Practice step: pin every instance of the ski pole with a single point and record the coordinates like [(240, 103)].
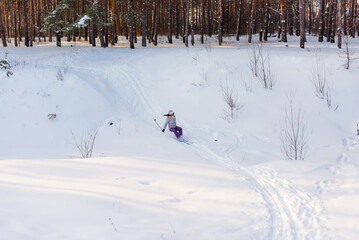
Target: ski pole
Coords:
[(157, 124)]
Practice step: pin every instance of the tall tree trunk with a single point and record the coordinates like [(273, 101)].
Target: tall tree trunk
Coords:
[(302, 22), (261, 19), (345, 20), (144, 22), (93, 36), (2, 32), (130, 22), (177, 20), (251, 19), (157, 13), (26, 29), (283, 10), (290, 18), (192, 23), (15, 22), (31, 44), (334, 14), (220, 19), (239, 18), (297, 21), (170, 22), (339, 28), (310, 17), (266, 21), (321, 20), (329, 20), (106, 20), (187, 22)]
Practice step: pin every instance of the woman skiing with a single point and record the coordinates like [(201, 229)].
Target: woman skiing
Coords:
[(171, 122)]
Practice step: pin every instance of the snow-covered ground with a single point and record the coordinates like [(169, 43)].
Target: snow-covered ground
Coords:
[(232, 182)]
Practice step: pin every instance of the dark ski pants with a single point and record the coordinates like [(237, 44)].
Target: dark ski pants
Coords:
[(177, 131)]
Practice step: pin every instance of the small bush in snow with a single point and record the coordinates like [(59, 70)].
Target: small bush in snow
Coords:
[(265, 73), (5, 65), (348, 55), (260, 66), (60, 75), (51, 116), (247, 83), (254, 53), (319, 79), (230, 97), (294, 135), (87, 142)]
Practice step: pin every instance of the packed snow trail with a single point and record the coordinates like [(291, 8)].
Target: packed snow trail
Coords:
[(293, 213)]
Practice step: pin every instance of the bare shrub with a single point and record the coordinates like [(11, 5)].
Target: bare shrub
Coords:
[(319, 78), (247, 83), (348, 55), (265, 73), (51, 116), (254, 53), (6, 66), (59, 75), (328, 97), (294, 136), (86, 144), (230, 97)]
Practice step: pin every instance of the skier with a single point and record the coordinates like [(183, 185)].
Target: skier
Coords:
[(171, 122)]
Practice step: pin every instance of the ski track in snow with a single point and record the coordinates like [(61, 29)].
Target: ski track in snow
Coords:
[(293, 213)]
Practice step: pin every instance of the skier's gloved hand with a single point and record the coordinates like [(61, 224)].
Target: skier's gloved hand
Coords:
[(163, 130)]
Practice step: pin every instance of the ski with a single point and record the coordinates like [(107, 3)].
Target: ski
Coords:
[(183, 140)]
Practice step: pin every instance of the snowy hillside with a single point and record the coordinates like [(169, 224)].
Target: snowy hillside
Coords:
[(231, 182)]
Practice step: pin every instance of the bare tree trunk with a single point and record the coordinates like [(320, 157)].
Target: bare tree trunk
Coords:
[(329, 20), (31, 23), (302, 22), (266, 21), (220, 19), (261, 20), (187, 22), (333, 31), (239, 20), (26, 29), (192, 23), (283, 10), (157, 13), (106, 20), (2, 32), (321, 20), (93, 37), (170, 22), (15, 22), (251, 19), (203, 19), (310, 17), (297, 21), (290, 18), (339, 28), (144, 23), (130, 21), (210, 17)]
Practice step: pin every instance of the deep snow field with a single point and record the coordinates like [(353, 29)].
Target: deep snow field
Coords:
[(232, 182)]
